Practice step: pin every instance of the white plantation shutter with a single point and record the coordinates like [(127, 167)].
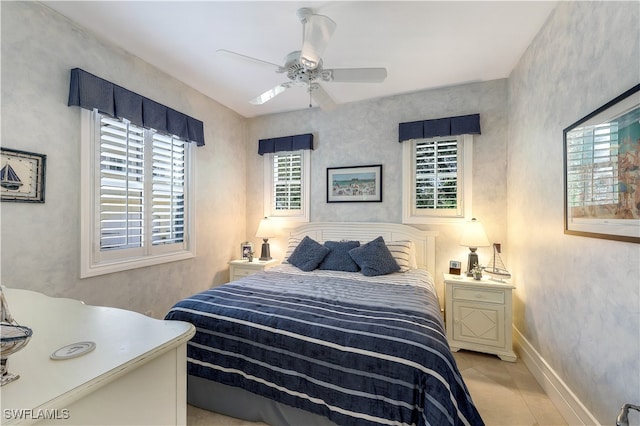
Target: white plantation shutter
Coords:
[(436, 179), (121, 185), (286, 185), (287, 181), (168, 190), (592, 166), (135, 196), (436, 174)]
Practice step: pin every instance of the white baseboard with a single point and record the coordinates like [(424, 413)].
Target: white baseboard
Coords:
[(567, 403)]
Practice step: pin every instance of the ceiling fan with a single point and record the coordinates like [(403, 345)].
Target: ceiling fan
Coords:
[(304, 68)]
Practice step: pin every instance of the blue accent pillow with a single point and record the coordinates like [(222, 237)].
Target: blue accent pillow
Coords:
[(338, 258), (374, 258), (308, 255)]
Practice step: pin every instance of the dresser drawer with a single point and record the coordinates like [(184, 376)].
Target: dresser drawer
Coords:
[(478, 295)]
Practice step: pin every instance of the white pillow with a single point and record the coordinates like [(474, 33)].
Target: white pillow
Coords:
[(291, 246), (413, 260), (404, 253)]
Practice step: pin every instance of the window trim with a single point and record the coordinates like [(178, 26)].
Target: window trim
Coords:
[(91, 264), (465, 163), (303, 215)]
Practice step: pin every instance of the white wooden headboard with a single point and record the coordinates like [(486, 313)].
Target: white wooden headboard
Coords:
[(425, 241)]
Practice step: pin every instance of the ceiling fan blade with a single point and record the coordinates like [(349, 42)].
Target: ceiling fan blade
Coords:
[(236, 55), (321, 97), (317, 31), (270, 94), (355, 75)]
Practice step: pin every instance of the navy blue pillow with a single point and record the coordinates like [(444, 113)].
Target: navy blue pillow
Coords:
[(374, 258), (308, 255), (338, 258)]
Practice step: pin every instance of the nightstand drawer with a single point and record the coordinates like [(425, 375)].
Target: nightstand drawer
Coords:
[(239, 272), (478, 295), (242, 268)]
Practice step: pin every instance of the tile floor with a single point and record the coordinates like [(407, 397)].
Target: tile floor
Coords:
[(505, 393)]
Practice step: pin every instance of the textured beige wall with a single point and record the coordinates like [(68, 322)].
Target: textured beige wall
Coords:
[(40, 243), (578, 298)]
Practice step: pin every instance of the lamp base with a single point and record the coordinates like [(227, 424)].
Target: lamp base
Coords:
[(471, 261), (266, 252)]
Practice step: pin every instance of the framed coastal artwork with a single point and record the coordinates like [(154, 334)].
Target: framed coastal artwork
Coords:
[(602, 171), (22, 176), (354, 184)]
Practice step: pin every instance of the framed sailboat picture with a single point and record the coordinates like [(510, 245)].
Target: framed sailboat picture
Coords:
[(22, 176)]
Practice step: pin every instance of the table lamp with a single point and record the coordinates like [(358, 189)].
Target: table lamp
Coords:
[(266, 230), (473, 236)]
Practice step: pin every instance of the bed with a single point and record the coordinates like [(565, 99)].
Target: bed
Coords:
[(305, 344)]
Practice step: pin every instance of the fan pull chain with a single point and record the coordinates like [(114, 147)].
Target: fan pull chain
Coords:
[(310, 95)]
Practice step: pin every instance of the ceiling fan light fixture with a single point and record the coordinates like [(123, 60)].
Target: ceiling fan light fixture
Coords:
[(309, 63), (326, 75)]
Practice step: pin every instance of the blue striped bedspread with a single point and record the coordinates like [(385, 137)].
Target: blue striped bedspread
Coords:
[(355, 349)]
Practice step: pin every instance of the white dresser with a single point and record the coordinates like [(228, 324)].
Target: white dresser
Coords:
[(135, 375), (478, 315)]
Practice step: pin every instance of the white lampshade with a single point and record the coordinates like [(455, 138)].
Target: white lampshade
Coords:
[(474, 235), (266, 229)]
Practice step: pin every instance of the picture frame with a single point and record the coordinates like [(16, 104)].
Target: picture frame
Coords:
[(602, 171), (22, 176), (246, 250), (354, 184)]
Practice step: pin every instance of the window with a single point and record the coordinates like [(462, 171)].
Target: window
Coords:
[(135, 196), (434, 186), (287, 185)]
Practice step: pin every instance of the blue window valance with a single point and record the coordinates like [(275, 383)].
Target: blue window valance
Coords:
[(285, 143), (89, 92), (450, 126)]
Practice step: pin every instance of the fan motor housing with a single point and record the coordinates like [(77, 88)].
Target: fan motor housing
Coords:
[(297, 73)]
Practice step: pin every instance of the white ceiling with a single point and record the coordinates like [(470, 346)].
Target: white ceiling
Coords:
[(423, 44)]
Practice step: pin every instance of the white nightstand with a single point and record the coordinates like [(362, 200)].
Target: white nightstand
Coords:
[(478, 315), (242, 268)]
